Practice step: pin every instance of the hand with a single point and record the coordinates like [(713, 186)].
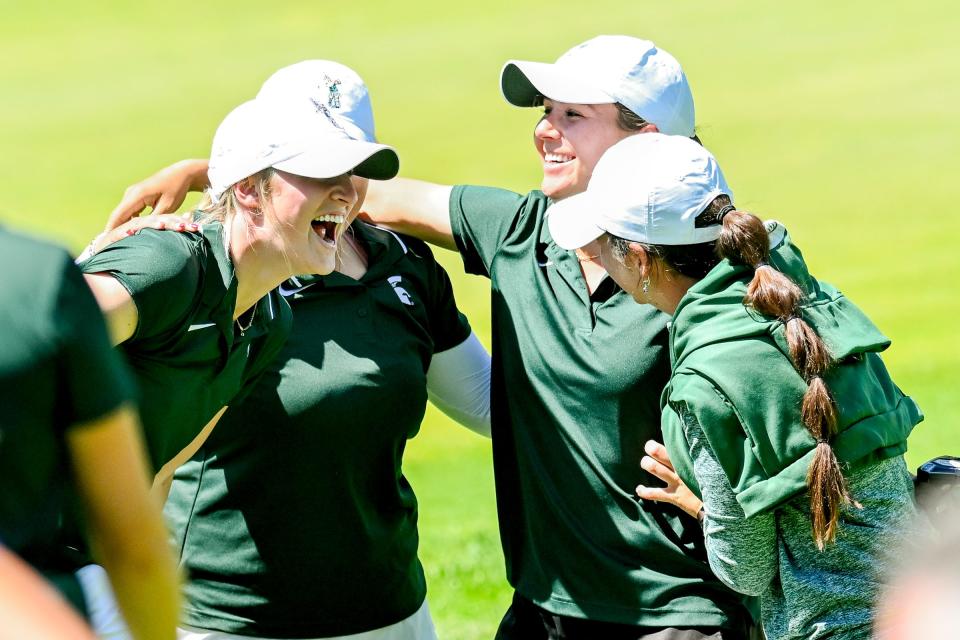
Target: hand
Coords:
[(657, 462), (168, 222), (164, 191)]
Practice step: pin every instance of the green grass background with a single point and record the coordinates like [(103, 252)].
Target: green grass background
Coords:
[(838, 118)]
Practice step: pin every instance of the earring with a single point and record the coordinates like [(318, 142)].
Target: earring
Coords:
[(645, 285)]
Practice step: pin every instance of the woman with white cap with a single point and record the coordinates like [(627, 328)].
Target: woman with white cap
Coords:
[(295, 518), (197, 315), (570, 409), (779, 412)]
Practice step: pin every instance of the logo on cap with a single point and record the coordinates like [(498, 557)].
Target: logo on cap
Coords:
[(322, 108), (333, 88)]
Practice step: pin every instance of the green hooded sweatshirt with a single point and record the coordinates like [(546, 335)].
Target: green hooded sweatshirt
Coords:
[(733, 366)]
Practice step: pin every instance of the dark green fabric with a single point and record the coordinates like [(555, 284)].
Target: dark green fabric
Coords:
[(187, 354), (732, 370), (57, 370), (576, 383), (295, 519)]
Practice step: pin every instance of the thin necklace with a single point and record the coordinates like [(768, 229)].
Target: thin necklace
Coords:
[(243, 329), (581, 258), (351, 241)]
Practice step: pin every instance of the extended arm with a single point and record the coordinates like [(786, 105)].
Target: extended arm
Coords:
[(125, 528), (164, 191), (458, 383), (414, 207)]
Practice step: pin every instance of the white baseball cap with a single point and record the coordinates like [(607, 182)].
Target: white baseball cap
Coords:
[(266, 133), (648, 188), (604, 70), (319, 86)]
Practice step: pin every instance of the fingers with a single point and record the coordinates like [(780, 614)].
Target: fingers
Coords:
[(168, 222), (655, 494), (133, 203), (660, 470), (658, 452), (168, 202)]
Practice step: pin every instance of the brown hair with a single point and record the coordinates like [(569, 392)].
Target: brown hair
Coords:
[(630, 121), (744, 240)]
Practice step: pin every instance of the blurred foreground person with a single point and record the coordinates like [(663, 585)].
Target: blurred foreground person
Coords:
[(30, 608), (922, 600), (70, 445), (779, 411)]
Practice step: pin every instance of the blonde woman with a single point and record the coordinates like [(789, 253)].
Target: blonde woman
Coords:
[(197, 315)]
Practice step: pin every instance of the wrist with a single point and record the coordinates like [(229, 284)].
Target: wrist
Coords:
[(196, 170)]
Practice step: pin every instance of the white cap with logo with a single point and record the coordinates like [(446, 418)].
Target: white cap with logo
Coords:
[(269, 133), (648, 188), (325, 87), (607, 69)]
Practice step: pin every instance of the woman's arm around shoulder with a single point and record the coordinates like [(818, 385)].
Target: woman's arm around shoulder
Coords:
[(414, 207)]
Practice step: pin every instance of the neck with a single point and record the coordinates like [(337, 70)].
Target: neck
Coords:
[(258, 268), (668, 293)]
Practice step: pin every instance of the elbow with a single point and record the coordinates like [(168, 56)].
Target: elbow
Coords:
[(742, 578)]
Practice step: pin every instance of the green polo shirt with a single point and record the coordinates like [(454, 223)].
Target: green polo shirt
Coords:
[(295, 520), (57, 369), (576, 383), (189, 357)]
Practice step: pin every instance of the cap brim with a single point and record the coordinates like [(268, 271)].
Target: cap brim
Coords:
[(336, 157), (521, 82), (572, 221)]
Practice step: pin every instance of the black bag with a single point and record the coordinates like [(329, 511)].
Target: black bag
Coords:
[(937, 485)]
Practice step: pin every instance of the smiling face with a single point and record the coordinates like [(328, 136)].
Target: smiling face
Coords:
[(309, 214), (570, 139)]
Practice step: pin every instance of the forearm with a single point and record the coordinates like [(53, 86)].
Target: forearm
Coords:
[(126, 530), (194, 171), (458, 383), (741, 551), (414, 207), (146, 586)]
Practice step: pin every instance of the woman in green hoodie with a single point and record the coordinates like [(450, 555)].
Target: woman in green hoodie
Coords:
[(779, 413)]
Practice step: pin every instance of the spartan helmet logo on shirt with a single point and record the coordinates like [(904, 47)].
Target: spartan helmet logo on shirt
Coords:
[(333, 89), (400, 291)]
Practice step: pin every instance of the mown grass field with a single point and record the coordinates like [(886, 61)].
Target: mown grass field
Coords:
[(839, 119)]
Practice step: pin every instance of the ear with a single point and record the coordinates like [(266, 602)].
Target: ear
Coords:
[(246, 194), (642, 259)]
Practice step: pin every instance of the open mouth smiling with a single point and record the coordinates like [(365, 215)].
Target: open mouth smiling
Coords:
[(327, 227)]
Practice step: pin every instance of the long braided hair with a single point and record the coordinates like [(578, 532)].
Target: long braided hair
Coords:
[(743, 240)]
